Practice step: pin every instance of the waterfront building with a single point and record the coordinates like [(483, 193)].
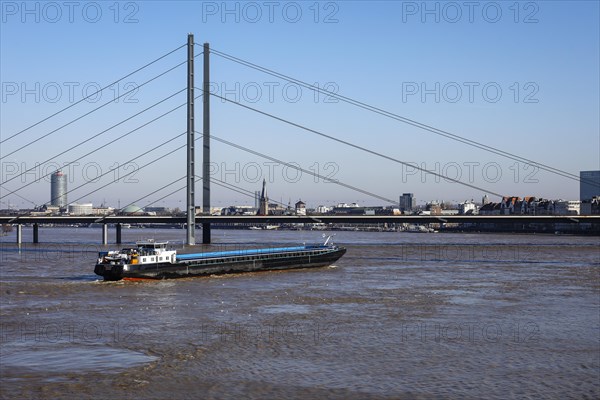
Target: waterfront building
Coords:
[(567, 207), (543, 207), (434, 208), (46, 210), (512, 205), (239, 210), (321, 209), (590, 207), (490, 208), (53, 210), (300, 208), (526, 206), (80, 209), (467, 208), (589, 185), (132, 209), (103, 210), (158, 210), (407, 202), (58, 189), (278, 209), (509, 204)]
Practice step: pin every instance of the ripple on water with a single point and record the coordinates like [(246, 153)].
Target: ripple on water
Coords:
[(71, 359), (285, 309)]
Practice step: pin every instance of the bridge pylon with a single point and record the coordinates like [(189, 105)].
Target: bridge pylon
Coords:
[(206, 145), (190, 203)]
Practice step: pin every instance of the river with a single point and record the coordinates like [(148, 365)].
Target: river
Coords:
[(401, 315)]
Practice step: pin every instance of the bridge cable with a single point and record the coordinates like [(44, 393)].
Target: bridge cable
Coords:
[(104, 145), (400, 118), (153, 161), (216, 181), (447, 178), (93, 94), (337, 182), (239, 189), (150, 194), (23, 198), (92, 111), (102, 133), (129, 173), (198, 178), (125, 163)]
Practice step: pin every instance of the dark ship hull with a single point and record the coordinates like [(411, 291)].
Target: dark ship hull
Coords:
[(201, 264)]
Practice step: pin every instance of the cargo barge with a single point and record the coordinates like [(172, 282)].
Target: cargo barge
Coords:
[(154, 260)]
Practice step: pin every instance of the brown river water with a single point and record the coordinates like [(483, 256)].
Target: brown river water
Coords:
[(400, 316)]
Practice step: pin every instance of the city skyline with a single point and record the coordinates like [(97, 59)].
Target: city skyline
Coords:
[(425, 65), (407, 202)]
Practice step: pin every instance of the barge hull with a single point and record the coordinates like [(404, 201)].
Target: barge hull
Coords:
[(191, 268)]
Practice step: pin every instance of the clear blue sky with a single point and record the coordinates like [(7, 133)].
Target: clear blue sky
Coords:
[(521, 77)]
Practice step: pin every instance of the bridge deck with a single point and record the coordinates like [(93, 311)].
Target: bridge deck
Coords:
[(359, 219)]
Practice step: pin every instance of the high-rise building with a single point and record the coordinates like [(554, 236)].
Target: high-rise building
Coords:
[(58, 189), (407, 202), (589, 184)]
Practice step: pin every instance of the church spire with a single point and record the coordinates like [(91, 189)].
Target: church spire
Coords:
[(264, 200)]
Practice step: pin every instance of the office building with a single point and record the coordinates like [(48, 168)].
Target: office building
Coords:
[(58, 189), (407, 202), (589, 185)]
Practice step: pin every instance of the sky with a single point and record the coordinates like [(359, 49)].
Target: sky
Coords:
[(511, 90)]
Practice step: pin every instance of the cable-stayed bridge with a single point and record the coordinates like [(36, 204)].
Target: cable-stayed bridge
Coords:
[(193, 136)]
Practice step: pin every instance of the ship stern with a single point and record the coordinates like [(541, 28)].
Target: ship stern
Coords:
[(110, 272)]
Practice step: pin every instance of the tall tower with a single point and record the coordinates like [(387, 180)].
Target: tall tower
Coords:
[(263, 208), (58, 189)]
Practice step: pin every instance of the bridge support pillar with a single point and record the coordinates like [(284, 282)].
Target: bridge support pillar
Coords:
[(206, 166), (118, 233), (191, 149), (104, 234), (205, 233), (36, 236), (19, 233)]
